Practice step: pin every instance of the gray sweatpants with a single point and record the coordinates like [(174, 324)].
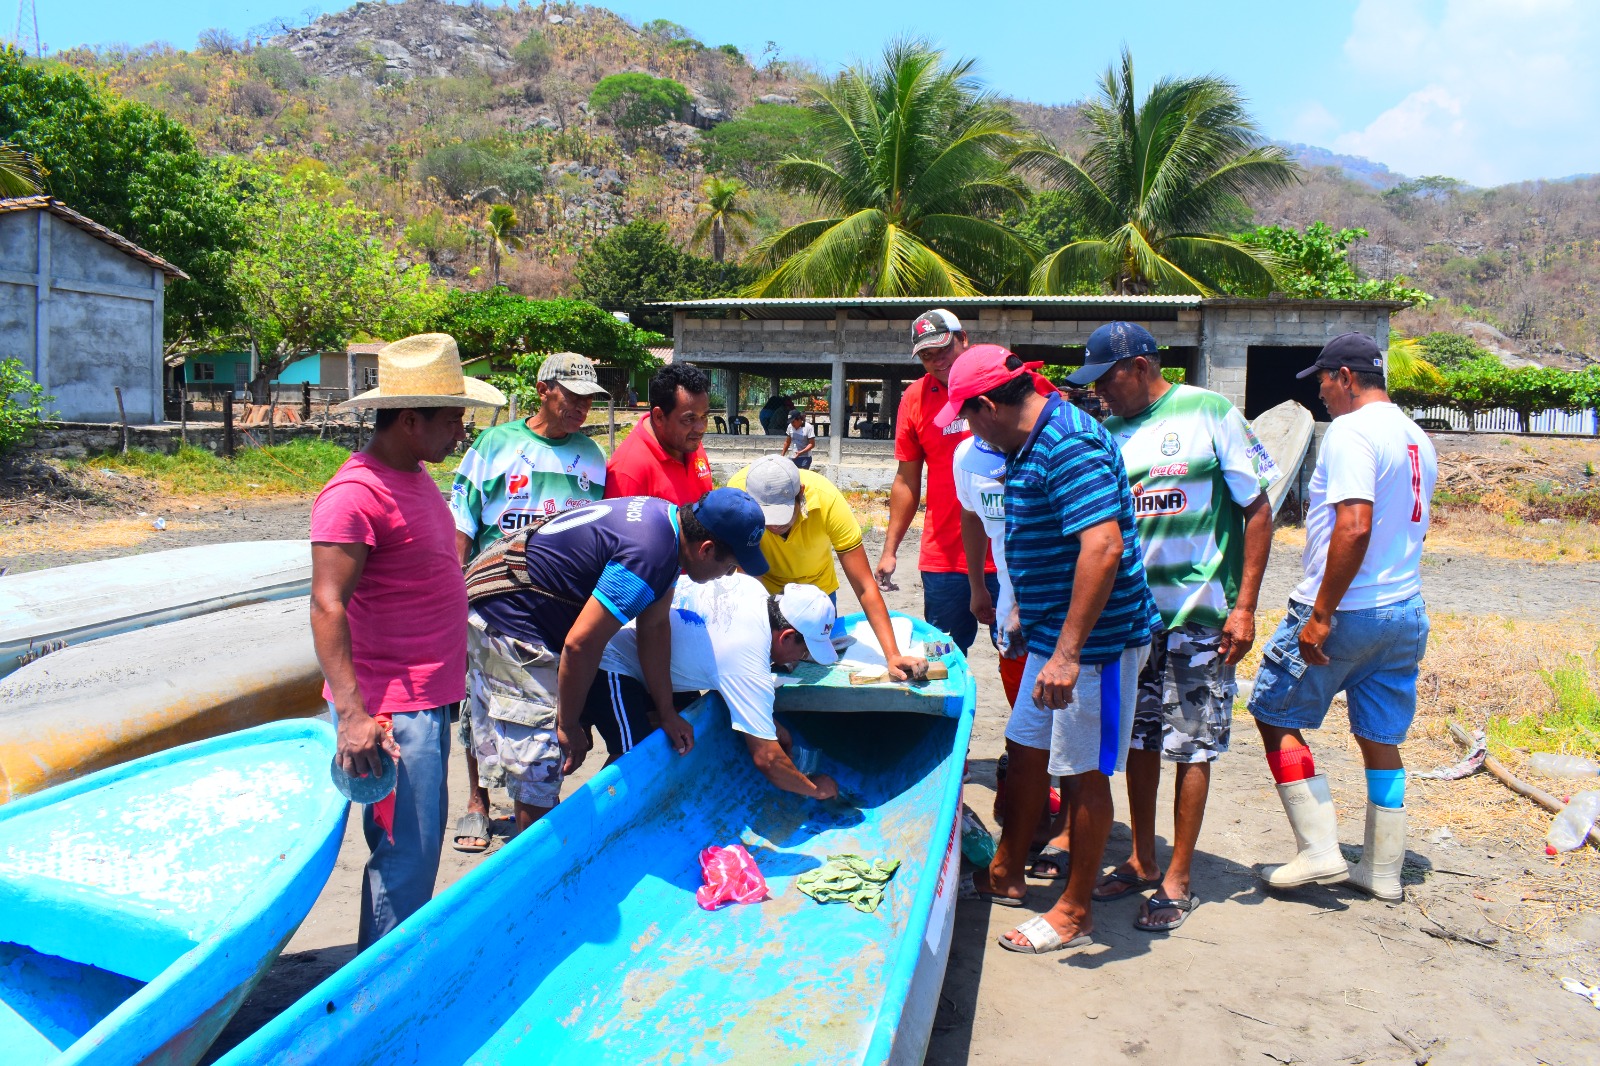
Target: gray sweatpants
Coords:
[(399, 876)]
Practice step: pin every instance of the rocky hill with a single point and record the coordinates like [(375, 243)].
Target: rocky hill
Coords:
[(429, 111)]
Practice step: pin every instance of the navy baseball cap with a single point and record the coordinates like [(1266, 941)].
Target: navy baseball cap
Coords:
[(734, 517), (1112, 343), (1354, 350)]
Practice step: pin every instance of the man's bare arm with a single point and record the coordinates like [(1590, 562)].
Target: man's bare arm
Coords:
[(1347, 549), (1100, 551), (975, 543), (859, 574), (776, 766), (904, 496), (335, 571), (580, 660), (655, 662), (1239, 631)]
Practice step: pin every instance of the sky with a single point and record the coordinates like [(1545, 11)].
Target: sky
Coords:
[(1488, 91)]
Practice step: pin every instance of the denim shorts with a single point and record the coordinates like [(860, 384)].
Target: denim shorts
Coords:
[(947, 605), (1373, 655)]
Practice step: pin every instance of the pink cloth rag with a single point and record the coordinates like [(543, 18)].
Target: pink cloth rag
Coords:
[(731, 877)]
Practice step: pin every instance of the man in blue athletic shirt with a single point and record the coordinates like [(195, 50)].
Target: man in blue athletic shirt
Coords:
[(545, 601)]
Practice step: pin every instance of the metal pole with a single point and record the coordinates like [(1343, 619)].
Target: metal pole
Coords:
[(122, 416), (227, 424), (836, 415), (611, 422)]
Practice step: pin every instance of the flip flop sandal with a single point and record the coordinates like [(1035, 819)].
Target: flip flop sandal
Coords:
[(970, 891), (1157, 902), (1130, 883), (472, 825), (1059, 858), (1042, 937)]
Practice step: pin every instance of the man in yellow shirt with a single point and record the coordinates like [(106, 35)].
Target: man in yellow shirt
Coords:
[(808, 523)]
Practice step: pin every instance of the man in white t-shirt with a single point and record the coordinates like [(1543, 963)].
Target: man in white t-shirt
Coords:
[(727, 635), (1356, 623), (801, 437)]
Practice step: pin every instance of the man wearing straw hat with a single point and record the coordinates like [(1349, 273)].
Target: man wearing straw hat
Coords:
[(389, 614)]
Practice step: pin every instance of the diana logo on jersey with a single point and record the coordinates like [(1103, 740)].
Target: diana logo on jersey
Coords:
[(1155, 503)]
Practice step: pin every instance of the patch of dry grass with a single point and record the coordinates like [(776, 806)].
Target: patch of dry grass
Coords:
[(56, 534), (1496, 528)]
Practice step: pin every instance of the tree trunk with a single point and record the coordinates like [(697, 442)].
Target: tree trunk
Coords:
[(719, 240)]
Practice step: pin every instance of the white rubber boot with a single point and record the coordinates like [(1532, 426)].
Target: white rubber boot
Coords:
[(1309, 806), (1378, 872)]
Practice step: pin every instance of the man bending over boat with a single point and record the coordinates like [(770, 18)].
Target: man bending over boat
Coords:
[(727, 635), (387, 611), (544, 602)]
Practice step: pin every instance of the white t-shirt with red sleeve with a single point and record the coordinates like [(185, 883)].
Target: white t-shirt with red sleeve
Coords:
[(1374, 453), (408, 614), (916, 438)]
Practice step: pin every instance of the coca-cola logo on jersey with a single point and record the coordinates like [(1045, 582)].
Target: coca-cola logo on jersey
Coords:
[(1169, 470)]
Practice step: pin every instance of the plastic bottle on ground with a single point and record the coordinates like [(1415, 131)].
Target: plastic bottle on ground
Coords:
[(1553, 765), (1571, 826)]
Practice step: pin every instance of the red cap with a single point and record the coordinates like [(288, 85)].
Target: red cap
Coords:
[(977, 370)]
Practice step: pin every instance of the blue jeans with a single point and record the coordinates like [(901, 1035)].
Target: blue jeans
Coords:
[(399, 877), (1373, 655), (947, 605)]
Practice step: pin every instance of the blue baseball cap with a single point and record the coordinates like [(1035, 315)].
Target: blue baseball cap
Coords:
[(1112, 343), (734, 517)]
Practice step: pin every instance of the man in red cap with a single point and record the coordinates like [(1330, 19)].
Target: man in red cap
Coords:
[(936, 339), (1086, 615)]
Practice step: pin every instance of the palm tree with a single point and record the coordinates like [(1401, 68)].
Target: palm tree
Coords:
[(1158, 183), (501, 229), (914, 170), (20, 173), (723, 215)]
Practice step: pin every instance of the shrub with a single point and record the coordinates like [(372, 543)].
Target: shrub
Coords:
[(253, 98), (22, 405), (635, 101), (532, 54), (281, 68), (749, 146), (1450, 350), (463, 170)]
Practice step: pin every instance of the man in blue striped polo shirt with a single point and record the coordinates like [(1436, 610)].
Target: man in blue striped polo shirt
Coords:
[(1086, 613)]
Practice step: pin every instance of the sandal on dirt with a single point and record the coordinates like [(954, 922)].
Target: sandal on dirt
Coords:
[(1130, 883), (1059, 858), (1042, 937), (1158, 902), (473, 825), (970, 891)]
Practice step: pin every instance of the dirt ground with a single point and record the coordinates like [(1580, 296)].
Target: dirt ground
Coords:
[(1467, 969)]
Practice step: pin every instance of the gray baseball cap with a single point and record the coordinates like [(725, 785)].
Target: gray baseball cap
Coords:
[(573, 372), (775, 483)]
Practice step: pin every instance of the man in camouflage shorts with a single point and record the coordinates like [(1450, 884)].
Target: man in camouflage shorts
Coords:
[(1199, 481), (514, 683)]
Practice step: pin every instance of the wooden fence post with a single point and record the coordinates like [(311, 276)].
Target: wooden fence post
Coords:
[(227, 424), (122, 416)]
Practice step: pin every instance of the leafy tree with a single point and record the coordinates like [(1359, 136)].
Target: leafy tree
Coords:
[(634, 101), (501, 229), (914, 170), (1476, 386), (23, 405), (751, 145), (314, 274), (723, 214), (664, 31), (532, 54), (1450, 350), (467, 170), (19, 173), (637, 264), (1316, 264), (1154, 192), (135, 171), (281, 67), (732, 52), (516, 334), (1047, 219)]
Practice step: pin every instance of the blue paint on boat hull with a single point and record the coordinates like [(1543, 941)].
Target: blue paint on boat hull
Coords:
[(139, 905), (581, 942)]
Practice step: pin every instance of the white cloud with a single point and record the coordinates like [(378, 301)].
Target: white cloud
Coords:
[(1489, 90)]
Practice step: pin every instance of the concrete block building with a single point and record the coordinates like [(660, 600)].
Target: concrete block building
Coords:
[(1248, 350), (81, 306)]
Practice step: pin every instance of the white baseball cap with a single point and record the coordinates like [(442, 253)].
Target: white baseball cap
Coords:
[(775, 483), (809, 610)]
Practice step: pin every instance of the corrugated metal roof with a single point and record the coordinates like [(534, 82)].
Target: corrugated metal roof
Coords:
[(91, 227)]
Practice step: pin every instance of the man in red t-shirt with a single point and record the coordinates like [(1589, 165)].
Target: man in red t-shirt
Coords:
[(389, 614), (936, 339), (662, 457)]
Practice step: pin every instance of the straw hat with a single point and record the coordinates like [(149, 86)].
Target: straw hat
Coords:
[(424, 371)]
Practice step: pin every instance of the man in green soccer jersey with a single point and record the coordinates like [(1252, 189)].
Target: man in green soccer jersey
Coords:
[(1199, 479), (513, 474)]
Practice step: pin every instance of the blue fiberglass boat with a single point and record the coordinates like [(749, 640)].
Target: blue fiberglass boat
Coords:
[(580, 942), (139, 905)]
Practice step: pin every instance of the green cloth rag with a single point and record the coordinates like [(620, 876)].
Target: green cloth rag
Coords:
[(849, 879)]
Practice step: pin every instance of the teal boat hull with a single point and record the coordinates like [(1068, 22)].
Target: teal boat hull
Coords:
[(581, 941), (140, 905)]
